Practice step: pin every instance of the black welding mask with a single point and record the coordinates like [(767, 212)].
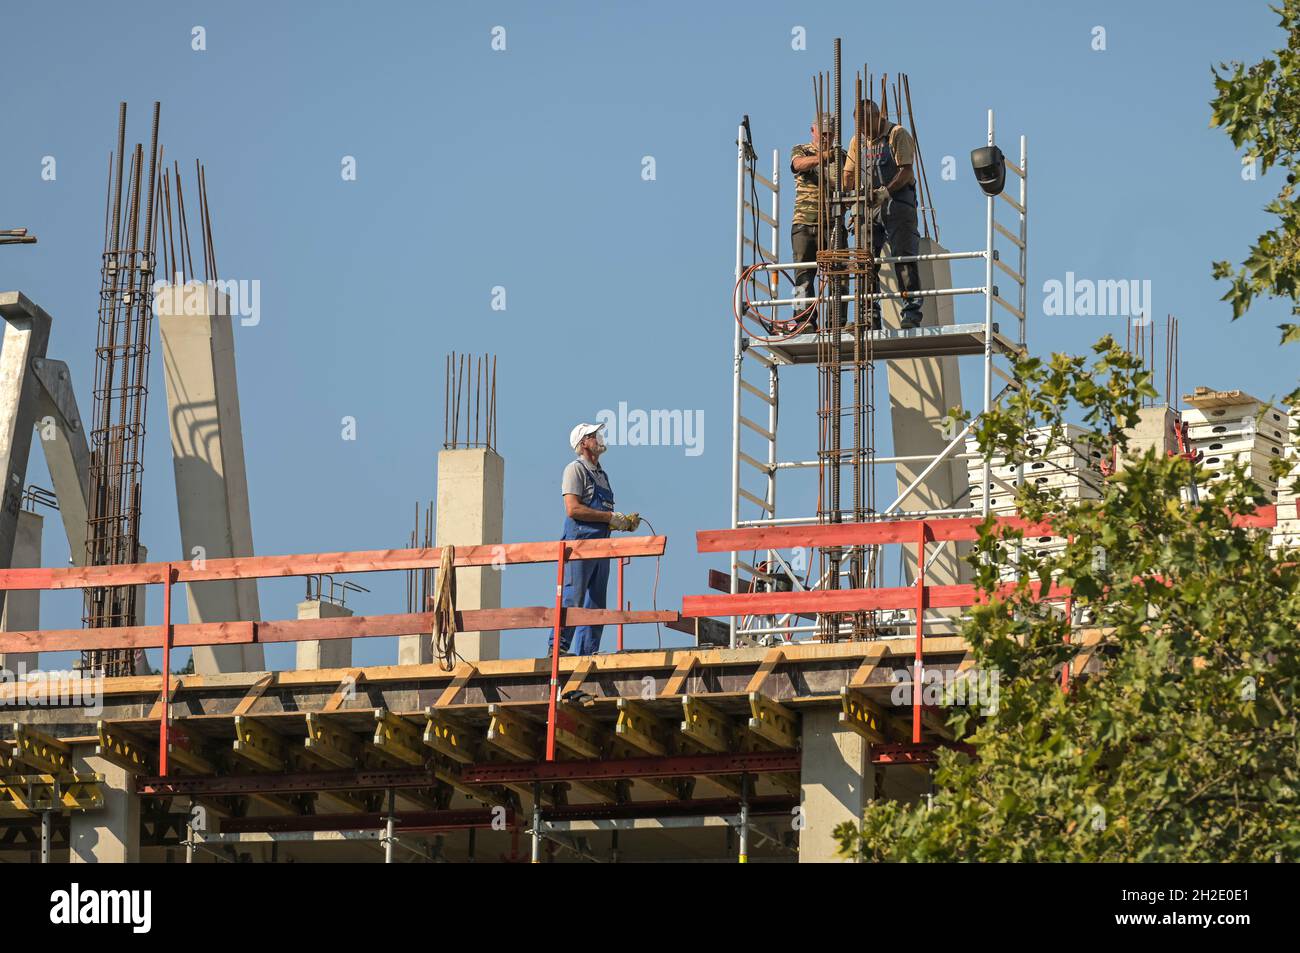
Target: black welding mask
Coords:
[(990, 167)]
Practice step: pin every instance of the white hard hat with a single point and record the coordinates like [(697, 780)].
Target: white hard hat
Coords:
[(583, 430)]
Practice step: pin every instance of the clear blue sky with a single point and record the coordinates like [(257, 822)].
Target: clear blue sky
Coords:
[(522, 169)]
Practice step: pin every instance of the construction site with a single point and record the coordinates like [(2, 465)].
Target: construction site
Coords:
[(839, 588)]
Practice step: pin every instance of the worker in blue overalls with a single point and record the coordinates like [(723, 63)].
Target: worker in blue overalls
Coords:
[(588, 514)]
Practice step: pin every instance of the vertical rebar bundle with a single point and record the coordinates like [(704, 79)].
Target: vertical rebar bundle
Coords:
[(469, 415), (121, 389), (845, 350)]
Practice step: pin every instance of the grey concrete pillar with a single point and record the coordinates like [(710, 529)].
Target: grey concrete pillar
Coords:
[(331, 653), (198, 346), (837, 779), (111, 835), (471, 506), (22, 610), (921, 393)]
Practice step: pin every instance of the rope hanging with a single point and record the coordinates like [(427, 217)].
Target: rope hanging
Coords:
[(444, 611)]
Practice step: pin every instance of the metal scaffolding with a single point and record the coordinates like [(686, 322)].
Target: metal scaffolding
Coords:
[(764, 342)]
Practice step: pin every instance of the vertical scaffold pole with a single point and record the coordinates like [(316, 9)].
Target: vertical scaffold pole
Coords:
[(744, 819), (537, 823), (1024, 240), (773, 382), (738, 357), (988, 328), (918, 667)]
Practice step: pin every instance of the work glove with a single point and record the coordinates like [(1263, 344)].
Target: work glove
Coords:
[(878, 197), (624, 522)]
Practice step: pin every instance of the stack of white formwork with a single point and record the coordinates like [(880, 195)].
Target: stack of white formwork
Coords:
[(1232, 428), (1070, 467), (1286, 535)]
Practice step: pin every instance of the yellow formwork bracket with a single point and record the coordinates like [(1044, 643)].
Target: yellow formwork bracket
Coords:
[(37, 793), (258, 746), (122, 750), (513, 735), (642, 729), (773, 722), (705, 725), (861, 715), (579, 733), (38, 750), (330, 743), (447, 738), (398, 739)]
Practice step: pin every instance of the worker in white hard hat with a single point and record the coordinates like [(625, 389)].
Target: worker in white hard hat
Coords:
[(588, 514)]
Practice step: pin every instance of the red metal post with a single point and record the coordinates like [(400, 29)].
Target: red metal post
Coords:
[(621, 563), (918, 668), (555, 653), (1069, 627), (164, 725)]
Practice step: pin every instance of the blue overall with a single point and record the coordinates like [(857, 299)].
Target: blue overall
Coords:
[(586, 581), (895, 222)]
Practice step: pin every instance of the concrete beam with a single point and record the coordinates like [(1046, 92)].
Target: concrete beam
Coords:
[(208, 455), (67, 454)]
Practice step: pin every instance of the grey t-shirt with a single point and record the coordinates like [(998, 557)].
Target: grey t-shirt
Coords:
[(580, 479)]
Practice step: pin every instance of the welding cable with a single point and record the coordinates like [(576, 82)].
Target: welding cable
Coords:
[(444, 611), (793, 326)]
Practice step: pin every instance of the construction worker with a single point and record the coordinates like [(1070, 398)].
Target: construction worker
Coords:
[(891, 201), (805, 160), (588, 514)]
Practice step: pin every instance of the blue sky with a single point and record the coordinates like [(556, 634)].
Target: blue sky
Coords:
[(522, 169)]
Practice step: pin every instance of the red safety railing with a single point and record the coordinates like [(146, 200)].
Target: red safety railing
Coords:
[(169, 635), (919, 596)]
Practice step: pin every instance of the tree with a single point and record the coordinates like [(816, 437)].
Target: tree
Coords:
[(1183, 744), (1259, 108)]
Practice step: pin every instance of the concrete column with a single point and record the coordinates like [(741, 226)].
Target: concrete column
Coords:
[(112, 835), (22, 610), (26, 330), (1155, 430), (332, 653), (208, 455), (471, 487), (921, 392), (837, 780)]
